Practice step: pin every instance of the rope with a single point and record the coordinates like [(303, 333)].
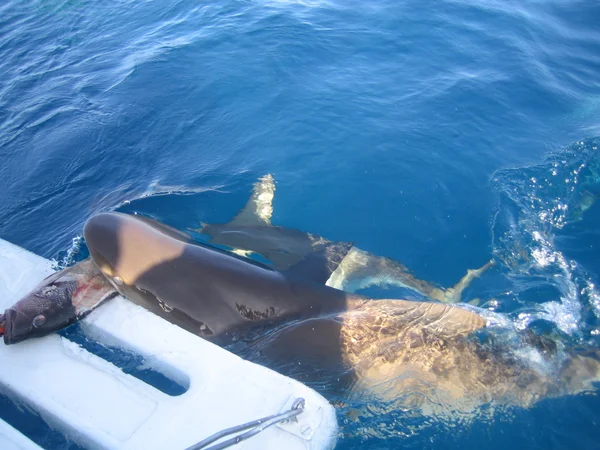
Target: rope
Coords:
[(255, 427)]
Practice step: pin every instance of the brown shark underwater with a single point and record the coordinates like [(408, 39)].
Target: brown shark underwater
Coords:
[(429, 356)]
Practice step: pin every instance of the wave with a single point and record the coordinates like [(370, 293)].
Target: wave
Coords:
[(534, 204)]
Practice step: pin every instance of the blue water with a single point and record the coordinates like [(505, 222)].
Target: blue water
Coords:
[(440, 134)]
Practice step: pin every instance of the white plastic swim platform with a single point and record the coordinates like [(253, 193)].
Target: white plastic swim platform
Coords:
[(97, 405)]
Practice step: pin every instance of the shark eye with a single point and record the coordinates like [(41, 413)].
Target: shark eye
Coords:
[(39, 320)]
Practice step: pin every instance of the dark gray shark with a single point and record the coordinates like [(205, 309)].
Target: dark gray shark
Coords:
[(208, 292), (337, 264)]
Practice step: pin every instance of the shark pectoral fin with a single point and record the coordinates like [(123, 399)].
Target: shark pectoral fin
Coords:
[(445, 321), (259, 208)]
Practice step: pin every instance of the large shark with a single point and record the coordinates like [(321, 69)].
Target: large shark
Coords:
[(341, 265), (437, 357), (212, 293)]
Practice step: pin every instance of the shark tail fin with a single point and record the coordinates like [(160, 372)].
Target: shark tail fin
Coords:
[(259, 208)]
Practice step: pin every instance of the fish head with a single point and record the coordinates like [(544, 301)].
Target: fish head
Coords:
[(58, 301), (46, 309)]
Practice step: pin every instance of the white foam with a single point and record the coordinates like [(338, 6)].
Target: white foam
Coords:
[(566, 313)]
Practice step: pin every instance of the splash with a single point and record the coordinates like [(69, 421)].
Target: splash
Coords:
[(535, 203), (76, 252)]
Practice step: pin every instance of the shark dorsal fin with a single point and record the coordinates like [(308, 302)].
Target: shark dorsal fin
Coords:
[(259, 208)]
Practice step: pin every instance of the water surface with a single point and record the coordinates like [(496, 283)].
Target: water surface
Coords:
[(439, 134)]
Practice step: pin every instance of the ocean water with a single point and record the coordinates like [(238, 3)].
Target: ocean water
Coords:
[(440, 134)]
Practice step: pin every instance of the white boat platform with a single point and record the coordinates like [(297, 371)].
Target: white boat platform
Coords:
[(98, 406)]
